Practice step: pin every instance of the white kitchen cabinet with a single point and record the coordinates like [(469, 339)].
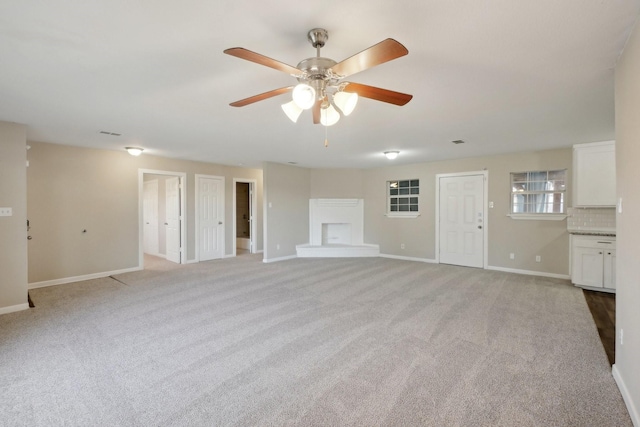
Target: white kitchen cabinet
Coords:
[(593, 260), (594, 174), (609, 273)]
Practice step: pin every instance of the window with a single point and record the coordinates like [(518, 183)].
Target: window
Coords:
[(403, 197), (539, 192)]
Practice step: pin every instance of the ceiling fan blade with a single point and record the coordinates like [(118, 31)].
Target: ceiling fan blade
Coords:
[(380, 53), (316, 111), (242, 53), (261, 97), (384, 95)]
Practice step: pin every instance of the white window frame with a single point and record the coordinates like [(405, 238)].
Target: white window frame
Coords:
[(553, 216), (389, 197)]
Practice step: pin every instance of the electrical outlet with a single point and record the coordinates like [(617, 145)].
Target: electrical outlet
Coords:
[(512, 256), (401, 245), (6, 212), (538, 259)]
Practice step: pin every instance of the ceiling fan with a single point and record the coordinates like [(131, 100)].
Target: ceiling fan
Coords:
[(320, 80)]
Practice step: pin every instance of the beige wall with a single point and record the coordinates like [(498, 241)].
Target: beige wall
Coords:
[(628, 227), (525, 239), (286, 209), (336, 184), (71, 189), (13, 229)]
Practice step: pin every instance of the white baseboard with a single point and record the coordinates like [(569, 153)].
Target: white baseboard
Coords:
[(64, 280), (408, 258), (191, 261), (529, 272), (283, 258), (631, 407), (14, 308), (259, 251)]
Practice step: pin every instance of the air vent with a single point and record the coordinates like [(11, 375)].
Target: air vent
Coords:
[(458, 141), (110, 133)]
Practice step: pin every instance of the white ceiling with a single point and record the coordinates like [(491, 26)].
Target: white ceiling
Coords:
[(503, 75)]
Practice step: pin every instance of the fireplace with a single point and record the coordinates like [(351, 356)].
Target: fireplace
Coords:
[(336, 233), (336, 229)]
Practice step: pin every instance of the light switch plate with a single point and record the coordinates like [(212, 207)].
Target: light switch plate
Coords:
[(6, 212)]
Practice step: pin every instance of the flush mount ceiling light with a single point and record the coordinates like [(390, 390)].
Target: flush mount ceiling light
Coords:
[(134, 151), (320, 86), (391, 154)]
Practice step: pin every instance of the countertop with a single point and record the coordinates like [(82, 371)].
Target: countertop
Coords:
[(592, 233)]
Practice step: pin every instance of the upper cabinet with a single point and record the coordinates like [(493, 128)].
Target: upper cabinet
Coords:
[(594, 174)]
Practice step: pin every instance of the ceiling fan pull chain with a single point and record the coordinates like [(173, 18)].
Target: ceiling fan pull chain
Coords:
[(326, 139)]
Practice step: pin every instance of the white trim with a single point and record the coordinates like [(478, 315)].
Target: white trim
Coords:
[(593, 144), (598, 289), (529, 272), (408, 215), (260, 251), (338, 202), (283, 258), (540, 216), (624, 391), (197, 213), (485, 196), (192, 261), (14, 308), (407, 258), (183, 212), (84, 277), (253, 184)]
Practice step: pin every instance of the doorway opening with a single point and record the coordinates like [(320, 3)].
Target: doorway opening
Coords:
[(244, 224), (161, 212)]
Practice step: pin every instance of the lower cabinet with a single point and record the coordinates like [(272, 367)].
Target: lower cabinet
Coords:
[(593, 262)]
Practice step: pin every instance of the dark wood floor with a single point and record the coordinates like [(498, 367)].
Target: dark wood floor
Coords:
[(603, 309)]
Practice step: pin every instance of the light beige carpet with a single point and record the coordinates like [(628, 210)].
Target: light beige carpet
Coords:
[(307, 342)]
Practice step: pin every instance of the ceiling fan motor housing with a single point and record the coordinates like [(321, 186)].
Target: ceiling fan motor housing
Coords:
[(318, 37)]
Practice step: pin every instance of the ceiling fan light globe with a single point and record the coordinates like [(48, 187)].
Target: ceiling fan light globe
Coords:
[(329, 116), (391, 154), (304, 96), (292, 110), (346, 101)]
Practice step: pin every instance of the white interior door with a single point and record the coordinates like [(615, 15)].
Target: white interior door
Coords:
[(173, 219), (210, 218), (462, 222), (150, 217)]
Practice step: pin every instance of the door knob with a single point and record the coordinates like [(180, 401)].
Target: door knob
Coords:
[(29, 237), (479, 227), (219, 222)]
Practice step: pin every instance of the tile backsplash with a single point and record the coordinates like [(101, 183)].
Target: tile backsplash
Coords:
[(591, 219)]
